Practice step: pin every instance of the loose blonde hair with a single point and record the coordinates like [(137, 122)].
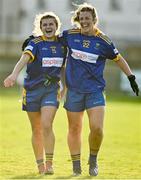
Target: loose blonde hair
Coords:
[(38, 20), (81, 8)]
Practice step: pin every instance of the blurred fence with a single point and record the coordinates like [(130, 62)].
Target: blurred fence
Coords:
[(121, 20)]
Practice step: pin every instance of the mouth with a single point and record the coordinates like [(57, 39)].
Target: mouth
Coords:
[(49, 31), (84, 25)]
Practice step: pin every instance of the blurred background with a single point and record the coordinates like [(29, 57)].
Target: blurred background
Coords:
[(119, 19)]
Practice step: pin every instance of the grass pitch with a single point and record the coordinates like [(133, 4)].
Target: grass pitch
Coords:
[(119, 157)]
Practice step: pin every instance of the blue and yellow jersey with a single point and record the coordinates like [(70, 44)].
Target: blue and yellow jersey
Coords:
[(86, 59), (47, 58)]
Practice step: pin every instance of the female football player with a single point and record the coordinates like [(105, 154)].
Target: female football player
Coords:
[(44, 57), (88, 49)]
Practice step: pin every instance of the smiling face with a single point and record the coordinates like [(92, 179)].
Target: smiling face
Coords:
[(48, 27), (86, 22)]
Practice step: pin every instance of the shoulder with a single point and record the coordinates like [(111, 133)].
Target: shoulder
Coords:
[(71, 31), (104, 37), (36, 40), (74, 31), (33, 43)]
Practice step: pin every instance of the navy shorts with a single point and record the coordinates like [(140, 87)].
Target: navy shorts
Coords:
[(33, 100), (76, 102)]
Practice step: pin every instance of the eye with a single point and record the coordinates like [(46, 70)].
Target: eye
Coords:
[(81, 18), (50, 24), (44, 24)]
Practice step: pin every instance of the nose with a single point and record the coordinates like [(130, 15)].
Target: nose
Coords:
[(47, 26), (83, 20)]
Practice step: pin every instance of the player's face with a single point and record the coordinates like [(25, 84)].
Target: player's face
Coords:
[(48, 27), (86, 22)]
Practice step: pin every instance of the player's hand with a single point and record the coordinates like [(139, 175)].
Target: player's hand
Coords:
[(10, 80), (63, 93), (25, 43), (133, 84)]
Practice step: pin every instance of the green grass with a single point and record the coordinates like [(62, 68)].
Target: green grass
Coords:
[(119, 158)]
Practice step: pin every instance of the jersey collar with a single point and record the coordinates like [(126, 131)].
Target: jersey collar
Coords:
[(46, 39), (96, 33)]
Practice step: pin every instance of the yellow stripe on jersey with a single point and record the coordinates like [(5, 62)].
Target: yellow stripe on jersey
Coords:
[(30, 53), (105, 38), (73, 31), (37, 40), (98, 32), (117, 58), (24, 96)]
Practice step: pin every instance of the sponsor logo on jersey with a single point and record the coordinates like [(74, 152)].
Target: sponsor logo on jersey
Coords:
[(77, 40), (52, 62), (49, 102), (97, 102), (97, 45), (84, 56), (53, 49), (44, 49), (29, 48)]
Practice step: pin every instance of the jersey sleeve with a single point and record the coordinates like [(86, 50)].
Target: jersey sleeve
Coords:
[(26, 41), (112, 52), (63, 38), (31, 49)]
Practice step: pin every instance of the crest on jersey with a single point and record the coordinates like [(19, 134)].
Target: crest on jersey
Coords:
[(97, 45)]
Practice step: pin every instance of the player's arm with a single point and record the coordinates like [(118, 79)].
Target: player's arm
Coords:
[(62, 78), (63, 91), (10, 80), (123, 65), (126, 69)]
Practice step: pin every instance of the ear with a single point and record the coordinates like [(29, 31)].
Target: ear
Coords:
[(95, 20)]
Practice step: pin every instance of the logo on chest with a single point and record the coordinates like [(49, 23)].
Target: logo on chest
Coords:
[(44, 49), (53, 49), (86, 43), (52, 62), (77, 40), (97, 46), (84, 56)]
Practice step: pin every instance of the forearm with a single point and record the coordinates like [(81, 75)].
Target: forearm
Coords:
[(20, 64), (124, 66), (131, 77), (11, 79), (63, 77)]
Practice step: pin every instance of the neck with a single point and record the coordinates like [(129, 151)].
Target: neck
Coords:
[(95, 30), (45, 38), (92, 32)]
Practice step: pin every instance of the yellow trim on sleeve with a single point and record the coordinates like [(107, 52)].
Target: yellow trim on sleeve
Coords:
[(30, 53), (117, 58), (97, 32), (24, 96)]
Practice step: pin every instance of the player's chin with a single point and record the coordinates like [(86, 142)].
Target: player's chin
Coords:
[(85, 29), (50, 35), (86, 32)]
